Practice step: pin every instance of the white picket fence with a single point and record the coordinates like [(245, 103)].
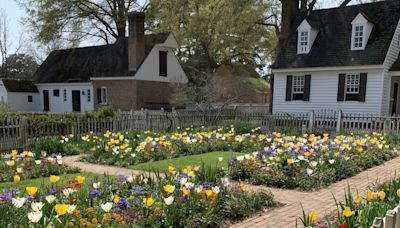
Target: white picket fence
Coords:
[(391, 220)]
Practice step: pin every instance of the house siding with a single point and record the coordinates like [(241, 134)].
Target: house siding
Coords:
[(155, 95), (3, 92), (149, 71), (391, 57), (19, 102), (323, 94), (57, 104)]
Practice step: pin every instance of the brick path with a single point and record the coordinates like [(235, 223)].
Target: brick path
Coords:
[(320, 201)]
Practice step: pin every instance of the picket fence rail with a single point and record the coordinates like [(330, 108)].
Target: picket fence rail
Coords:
[(21, 132), (391, 219)]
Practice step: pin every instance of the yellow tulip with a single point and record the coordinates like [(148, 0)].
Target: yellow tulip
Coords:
[(185, 191), (169, 188), (148, 201), (31, 190), (243, 187), (398, 192), (61, 209), (313, 216), (14, 152), (171, 169), (347, 212), (289, 161), (209, 193), (358, 199), (80, 179), (54, 179), (17, 178), (382, 195), (116, 199)]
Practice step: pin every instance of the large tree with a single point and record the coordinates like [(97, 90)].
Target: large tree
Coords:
[(75, 20), (20, 66), (213, 32)]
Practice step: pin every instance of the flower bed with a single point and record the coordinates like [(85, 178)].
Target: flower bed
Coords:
[(22, 166), (191, 198), (130, 149), (310, 161), (357, 210)]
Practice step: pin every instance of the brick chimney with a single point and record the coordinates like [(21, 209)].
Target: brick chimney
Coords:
[(290, 9), (136, 41)]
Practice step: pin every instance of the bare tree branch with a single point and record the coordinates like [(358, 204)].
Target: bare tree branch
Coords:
[(345, 3)]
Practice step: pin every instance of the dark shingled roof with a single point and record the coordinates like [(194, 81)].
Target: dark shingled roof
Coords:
[(396, 65), (80, 64), (19, 85), (332, 44)]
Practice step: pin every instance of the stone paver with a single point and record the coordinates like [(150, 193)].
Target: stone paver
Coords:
[(292, 201), (320, 201)]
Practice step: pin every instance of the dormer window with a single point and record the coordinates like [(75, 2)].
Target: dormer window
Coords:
[(360, 32), (303, 42), (359, 36), (306, 37)]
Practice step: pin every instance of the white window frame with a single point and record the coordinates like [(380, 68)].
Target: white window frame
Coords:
[(352, 84), (298, 84), (304, 41), (103, 95), (89, 95), (358, 37)]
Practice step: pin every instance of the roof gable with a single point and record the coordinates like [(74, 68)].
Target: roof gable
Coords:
[(332, 46), (81, 64)]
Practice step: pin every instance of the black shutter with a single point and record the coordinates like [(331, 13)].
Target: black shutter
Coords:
[(289, 82), (307, 87), (98, 95), (163, 63), (363, 87), (341, 87)]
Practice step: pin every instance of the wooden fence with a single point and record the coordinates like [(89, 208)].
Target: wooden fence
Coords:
[(391, 220), (20, 132)]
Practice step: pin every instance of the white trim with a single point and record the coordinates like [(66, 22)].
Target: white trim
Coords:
[(112, 78), (394, 73), (393, 44), (338, 68)]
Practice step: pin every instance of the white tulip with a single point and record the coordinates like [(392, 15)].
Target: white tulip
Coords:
[(38, 162), (96, 185), (50, 198), (247, 156), (35, 216), (19, 170), (240, 158), (130, 179), (71, 209), (313, 163), (18, 202), (106, 207), (183, 180), (220, 159), (215, 189), (60, 162), (169, 200), (37, 206), (331, 161), (310, 171)]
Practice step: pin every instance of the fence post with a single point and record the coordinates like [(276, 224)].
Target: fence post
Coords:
[(378, 223), (339, 122), (386, 125), (311, 122), (24, 132), (390, 219)]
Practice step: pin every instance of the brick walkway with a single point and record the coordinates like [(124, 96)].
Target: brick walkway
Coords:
[(73, 161), (320, 201)]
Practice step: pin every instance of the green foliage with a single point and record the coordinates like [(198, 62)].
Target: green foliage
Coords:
[(213, 32), (21, 66)]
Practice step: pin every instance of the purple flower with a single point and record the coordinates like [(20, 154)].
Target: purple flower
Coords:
[(122, 202), (139, 190), (53, 191), (95, 193), (6, 197), (207, 184)]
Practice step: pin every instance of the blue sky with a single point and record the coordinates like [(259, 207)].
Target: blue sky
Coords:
[(15, 14)]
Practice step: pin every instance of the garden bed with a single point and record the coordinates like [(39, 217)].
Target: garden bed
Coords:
[(191, 198), (358, 210), (27, 165), (310, 161)]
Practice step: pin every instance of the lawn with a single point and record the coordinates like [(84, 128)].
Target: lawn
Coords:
[(45, 180), (209, 159)]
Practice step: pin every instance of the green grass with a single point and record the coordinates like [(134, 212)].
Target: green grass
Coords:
[(45, 180), (181, 162)]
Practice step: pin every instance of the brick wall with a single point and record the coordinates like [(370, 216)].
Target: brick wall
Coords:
[(135, 94), (121, 94), (154, 95)]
